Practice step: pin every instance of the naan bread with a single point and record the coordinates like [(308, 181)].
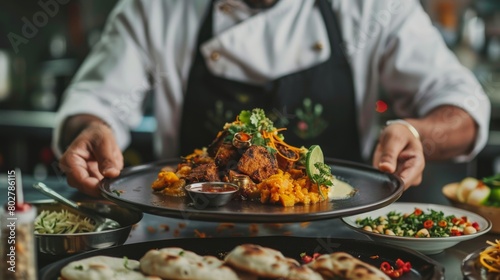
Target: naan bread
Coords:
[(177, 263), (303, 273), (103, 267), (344, 265), (267, 263)]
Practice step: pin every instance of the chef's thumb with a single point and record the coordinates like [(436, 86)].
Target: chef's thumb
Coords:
[(388, 160), (387, 166), (109, 158)]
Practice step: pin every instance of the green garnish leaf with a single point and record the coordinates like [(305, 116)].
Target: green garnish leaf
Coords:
[(252, 123), (79, 267), (492, 181), (324, 177)]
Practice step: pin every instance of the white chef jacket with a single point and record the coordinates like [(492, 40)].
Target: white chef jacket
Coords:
[(150, 44)]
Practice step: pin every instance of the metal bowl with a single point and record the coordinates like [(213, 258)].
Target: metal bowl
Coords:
[(66, 244), (211, 194)]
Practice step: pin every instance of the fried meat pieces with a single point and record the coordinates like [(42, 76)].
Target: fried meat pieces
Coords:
[(206, 172), (222, 161), (258, 163)]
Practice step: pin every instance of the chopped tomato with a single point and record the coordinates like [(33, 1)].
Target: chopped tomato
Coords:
[(405, 266), (475, 225), (385, 266), (402, 267), (428, 224), (442, 223), (395, 273), (417, 212), (307, 259)]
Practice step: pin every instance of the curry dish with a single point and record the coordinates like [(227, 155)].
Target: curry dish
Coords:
[(252, 149)]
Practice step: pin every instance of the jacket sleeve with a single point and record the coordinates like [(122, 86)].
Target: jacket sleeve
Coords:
[(112, 82), (420, 73)]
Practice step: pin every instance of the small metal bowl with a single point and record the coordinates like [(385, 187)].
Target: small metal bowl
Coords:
[(67, 244), (242, 140), (211, 194)]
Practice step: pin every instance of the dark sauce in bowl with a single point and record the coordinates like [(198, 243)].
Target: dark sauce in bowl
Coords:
[(210, 194)]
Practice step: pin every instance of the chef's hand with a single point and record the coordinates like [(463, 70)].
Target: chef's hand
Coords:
[(400, 152), (91, 156)]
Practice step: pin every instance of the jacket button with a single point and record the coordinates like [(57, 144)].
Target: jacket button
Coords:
[(214, 56), (318, 46)]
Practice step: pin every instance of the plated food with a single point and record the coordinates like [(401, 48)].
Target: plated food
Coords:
[(252, 153), (428, 228), (419, 224), (374, 189)]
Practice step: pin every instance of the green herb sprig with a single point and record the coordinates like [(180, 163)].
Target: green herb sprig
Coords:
[(252, 123)]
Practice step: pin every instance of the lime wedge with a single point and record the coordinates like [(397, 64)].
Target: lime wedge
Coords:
[(495, 194), (314, 155)]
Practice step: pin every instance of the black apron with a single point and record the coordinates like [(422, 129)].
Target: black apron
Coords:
[(315, 105)]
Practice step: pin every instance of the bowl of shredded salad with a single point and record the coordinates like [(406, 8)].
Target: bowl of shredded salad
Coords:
[(423, 227), (59, 230)]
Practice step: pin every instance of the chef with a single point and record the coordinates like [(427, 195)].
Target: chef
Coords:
[(315, 66)]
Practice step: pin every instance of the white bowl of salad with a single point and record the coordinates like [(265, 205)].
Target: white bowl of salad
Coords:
[(427, 228)]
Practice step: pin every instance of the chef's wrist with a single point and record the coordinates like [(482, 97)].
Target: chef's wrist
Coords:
[(405, 123)]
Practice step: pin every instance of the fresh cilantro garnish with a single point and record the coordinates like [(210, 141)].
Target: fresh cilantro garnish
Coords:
[(256, 120), (253, 123), (181, 253), (324, 177), (78, 267)]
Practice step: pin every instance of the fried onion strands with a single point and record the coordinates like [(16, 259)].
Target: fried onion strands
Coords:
[(490, 257), (274, 140)]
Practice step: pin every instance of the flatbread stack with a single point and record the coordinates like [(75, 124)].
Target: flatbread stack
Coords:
[(244, 262)]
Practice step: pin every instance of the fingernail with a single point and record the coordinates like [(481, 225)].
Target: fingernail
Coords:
[(107, 170)]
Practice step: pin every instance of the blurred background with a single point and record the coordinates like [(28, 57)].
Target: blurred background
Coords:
[(41, 47)]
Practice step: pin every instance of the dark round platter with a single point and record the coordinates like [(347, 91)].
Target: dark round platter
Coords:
[(374, 189)]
